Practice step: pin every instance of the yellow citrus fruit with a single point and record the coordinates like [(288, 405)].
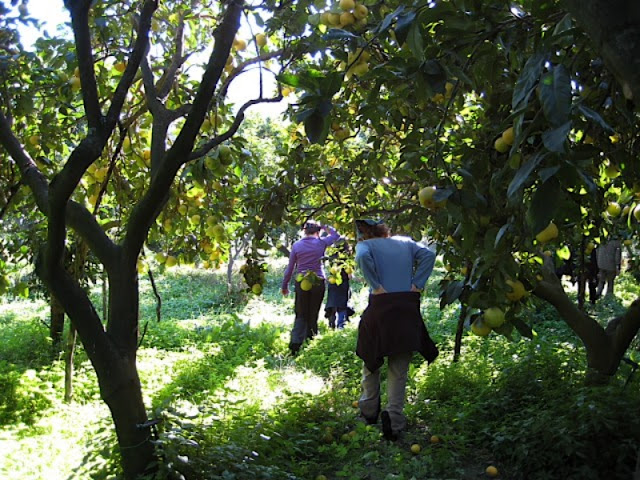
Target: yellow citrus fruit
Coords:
[(517, 290), (120, 66), (257, 289), (75, 83), (614, 209), (434, 439), (549, 233), (492, 471), (360, 11), (347, 4), (261, 39), (171, 261), (494, 317), (425, 196), (415, 448), (612, 171), (480, 328), (508, 136), (500, 145), (346, 19), (306, 285), (334, 19)]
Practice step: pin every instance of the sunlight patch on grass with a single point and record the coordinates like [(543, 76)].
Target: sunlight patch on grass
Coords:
[(20, 308), (268, 387), (158, 368), (49, 439)]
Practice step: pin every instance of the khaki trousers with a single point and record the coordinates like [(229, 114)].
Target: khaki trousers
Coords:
[(369, 403)]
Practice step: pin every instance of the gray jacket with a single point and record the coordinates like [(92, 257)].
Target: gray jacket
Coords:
[(609, 255)]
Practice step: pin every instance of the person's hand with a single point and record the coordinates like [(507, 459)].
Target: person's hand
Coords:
[(285, 291), (415, 289), (378, 290)]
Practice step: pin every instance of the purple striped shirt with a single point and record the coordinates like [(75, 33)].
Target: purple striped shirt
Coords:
[(306, 254)]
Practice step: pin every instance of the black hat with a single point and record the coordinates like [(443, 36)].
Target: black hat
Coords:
[(311, 226)]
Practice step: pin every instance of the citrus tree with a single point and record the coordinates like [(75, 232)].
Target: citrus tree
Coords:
[(505, 131), (122, 133), (501, 129)]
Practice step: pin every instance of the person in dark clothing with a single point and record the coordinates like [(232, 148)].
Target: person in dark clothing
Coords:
[(337, 304), (339, 288), (396, 270)]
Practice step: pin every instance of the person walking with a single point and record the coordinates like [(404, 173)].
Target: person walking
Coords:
[(396, 269), (609, 258), (306, 257), (339, 289), (337, 304)]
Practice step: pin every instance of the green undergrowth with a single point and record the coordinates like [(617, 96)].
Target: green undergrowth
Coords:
[(233, 405)]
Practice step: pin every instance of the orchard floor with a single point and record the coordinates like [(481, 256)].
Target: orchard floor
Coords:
[(234, 405)]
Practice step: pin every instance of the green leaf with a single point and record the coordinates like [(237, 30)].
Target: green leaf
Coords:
[(388, 20), (546, 173), (451, 293), (544, 204), (524, 329), (414, 40), (527, 80), (595, 117), (522, 175), (554, 140), (564, 253), (555, 95), (504, 229), (338, 34), (403, 25), (316, 127), (563, 25)]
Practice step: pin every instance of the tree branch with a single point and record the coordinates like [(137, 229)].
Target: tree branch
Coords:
[(214, 142), (137, 54), (588, 330), (627, 328), (79, 11), (149, 207)]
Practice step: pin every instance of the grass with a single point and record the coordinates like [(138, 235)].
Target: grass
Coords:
[(233, 405)]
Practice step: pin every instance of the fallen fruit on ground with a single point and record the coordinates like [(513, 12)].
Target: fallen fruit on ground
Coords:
[(492, 471), (415, 448), (434, 439)]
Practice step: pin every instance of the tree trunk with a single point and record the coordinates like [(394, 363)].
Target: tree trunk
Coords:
[(459, 332), (105, 297), (605, 347), (68, 364), (56, 328), (123, 395), (581, 277), (118, 375), (614, 28)]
